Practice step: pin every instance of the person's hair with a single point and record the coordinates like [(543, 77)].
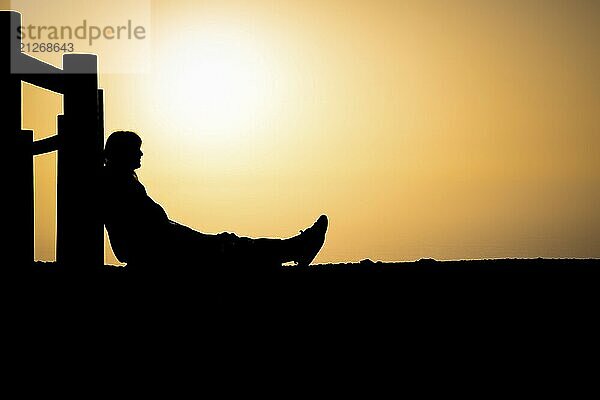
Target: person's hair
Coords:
[(119, 144)]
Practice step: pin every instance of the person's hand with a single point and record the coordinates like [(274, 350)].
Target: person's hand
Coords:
[(227, 235)]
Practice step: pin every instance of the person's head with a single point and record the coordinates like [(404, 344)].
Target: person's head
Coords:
[(123, 150)]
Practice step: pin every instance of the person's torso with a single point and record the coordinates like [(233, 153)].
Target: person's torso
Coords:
[(133, 220)]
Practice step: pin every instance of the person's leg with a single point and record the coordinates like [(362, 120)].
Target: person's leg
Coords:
[(244, 250), (301, 249), (228, 248), (188, 244)]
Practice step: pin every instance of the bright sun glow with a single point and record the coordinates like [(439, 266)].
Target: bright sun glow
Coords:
[(216, 83)]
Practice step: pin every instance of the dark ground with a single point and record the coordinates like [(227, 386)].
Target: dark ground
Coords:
[(455, 321), (534, 265), (507, 296), (426, 282), (426, 295)]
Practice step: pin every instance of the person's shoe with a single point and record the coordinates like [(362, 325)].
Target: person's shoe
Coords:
[(311, 240)]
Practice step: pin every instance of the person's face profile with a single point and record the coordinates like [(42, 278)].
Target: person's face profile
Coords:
[(137, 157), (131, 156)]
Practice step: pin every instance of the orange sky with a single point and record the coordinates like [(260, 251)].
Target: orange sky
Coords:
[(463, 129)]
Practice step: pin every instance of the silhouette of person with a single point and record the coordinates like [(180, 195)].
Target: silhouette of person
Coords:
[(142, 235)]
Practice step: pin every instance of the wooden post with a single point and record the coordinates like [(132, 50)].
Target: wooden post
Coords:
[(79, 141), (17, 161), (80, 235)]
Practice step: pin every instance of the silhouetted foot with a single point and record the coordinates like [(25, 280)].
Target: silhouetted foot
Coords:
[(311, 240)]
